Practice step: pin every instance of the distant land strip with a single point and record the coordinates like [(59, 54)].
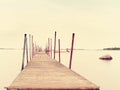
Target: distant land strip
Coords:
[(113, 48), (10, 49)]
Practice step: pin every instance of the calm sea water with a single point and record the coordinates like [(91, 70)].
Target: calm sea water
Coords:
[(10, 65), (105, 74)]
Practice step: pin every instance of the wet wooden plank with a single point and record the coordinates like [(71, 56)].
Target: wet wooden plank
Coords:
[(44, 73)]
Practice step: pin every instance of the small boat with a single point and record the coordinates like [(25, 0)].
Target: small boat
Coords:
[(106, 57)]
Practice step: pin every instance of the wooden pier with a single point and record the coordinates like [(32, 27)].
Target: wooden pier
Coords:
[(44, 73)]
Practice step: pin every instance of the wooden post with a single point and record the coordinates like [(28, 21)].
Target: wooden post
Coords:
[(6, 88), (51, 48), (59, 50), (32, 47), (26, 50), (54, 44), (71, 51), (23, 52)]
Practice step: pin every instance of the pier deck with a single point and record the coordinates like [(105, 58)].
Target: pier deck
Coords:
[(44, 73)]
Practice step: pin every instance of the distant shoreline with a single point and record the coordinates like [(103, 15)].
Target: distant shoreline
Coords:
[(114, 48), (9, 49)]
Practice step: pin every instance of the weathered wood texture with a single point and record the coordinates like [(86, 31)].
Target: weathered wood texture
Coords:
[(44, 73)]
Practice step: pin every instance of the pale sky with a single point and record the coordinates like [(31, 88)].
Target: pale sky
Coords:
[(94, 22)]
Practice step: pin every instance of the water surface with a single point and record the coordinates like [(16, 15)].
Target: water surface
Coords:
[(105, 74)]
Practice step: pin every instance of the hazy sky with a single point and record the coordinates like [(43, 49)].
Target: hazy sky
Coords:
[(95, 22)]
